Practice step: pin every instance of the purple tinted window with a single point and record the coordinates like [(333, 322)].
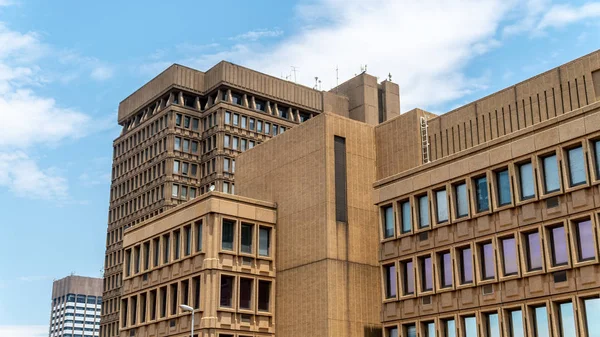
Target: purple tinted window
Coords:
[(390, 281), (409, 278), (487, 261), (559, 246), (466, 266), (534, 252), (585, 240), (509, 255), (427, 278), (446, 269)]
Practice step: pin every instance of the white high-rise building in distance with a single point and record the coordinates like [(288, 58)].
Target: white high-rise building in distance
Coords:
[(76, 307)]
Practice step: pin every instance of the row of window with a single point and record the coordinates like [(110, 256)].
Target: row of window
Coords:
[(275, 109), (237, 143), (535, 320), (139, 158), (565, 242), (114, 235), (133, 205), (186, 145), (191, 170), (133, 140), (77, 298), (118, 190), (253, 124), (479, 201), (183, 192)]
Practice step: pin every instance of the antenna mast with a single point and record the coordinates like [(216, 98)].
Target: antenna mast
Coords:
[(294, 68)]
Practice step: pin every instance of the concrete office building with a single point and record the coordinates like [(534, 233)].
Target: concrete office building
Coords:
[(479, 221), (76, 307)]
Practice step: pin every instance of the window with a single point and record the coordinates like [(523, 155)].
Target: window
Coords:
[(247, 232), (174, 298), (244, 122), (176, 166), (146, 256), (550, 173), (194, 147), (226, 295), (226, 164), (195, 124), (391, 332), (390, 280), (423, 202), (584, 240), (503, 186), (441, 202), (178, 120), (408, 278), (508, 248), (198, 230), (462, 200), (492, 325), (516, 328), (156, 248), (405, 216), (177, 143), (259, 126), (592, 315), (184, 168), (388, 222), (259, 104), (470, 326), (426, 273), (251, 124), (166, 248), (196, 285), (188, 240), (175, 191), (445, 260), (429, 329), (526, 181), (226, 141), (264, 241), (227, 117), (410, 330), (567, 320), (533, 251), (267, 128), (481, 194), (236, 99), (186, 145), (597, 157), (186, 122), (465, 258), (236, 119), (275, 129), (225, 187), (246, 285), (558, 246), (235, 143), (264, 295), (486, 254), (575, 158), (541, 326), (341, 200), (243, 146), (227, 233), (449, 327)]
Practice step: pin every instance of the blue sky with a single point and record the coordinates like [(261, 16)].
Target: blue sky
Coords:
[(65, 66)]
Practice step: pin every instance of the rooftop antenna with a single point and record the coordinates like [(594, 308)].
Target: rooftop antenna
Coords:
[(294, 68), (337, 76), (390, 77), (365, 68), (320, 85), (316, 82)]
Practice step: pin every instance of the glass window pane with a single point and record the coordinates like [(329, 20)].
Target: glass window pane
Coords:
[(391, 332), (227, 235), (408, 278), (466, 266), (585, 240), (509, 256), (597, 158), (226, 290), (442, 206), (423, 211), (558, 241), (245, 293), (481, 194), (264, 244), (551, 178), (430, 329), (526, 181), (246, 239), (406, 218), (264, 295), (390, 281), (462, 203), (470, 324), (446, 269), (534, 252), (450, 328), (592, 314), (493, 325), (540, 317), (516, 324), (503, 181), (487, 260), (576, 166), (411, 331), (388, 230), (426, 273), (567, 320)]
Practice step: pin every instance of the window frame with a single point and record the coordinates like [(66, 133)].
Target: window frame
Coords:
[(272, 239), (417, 210), (423, 323), (458, 263), (434, 193), (383, 221), (384, 273), (581, 310), (542, 171), (524, 245), (549, 245), (495, 195), (400, 217), (566, 167), (454, 200), (234, 243), (594, 159), (574, 239), (234, 297), (253, 235), (270, 312), (500, 256), (474, 178), (442, 325), (556, 313), (420, 286), (507, 318), (462, 322), (438, 267), (480, 261), (484, 328), (530, 318), (402, 278)]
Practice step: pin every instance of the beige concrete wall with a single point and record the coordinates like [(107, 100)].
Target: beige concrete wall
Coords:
[(77, 285)]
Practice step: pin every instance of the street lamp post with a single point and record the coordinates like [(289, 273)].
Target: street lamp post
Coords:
[(190, 309)]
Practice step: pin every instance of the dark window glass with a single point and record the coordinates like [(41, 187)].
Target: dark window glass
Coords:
[(226, 291), (406, 217), (466, 266), (264, 241), (195, 124), (481, 194), (198, 236), (446, 269), (227, 235), (567, 320), (487, 261), (246, 239), (166, 248), (540, 322), (526, 181), (597, 157), (388, 222), (188, 240), (592, 315), (462, 201), (260, 105), (391, 332), (515, 325), (442, 206), (264, 295), (341, 208), (408, 278), (493, 325), (423, 211), (470, 326), (390, 281), (426, 274), (177, 245), (509, 256), (156, 248), (585, 240), (245, 293), (551, 177), (178, 120), (534, 251), (576, 166), (411, 330), (503, 181), (186, 122), (558, 246)]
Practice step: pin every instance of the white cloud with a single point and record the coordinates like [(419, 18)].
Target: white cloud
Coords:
[(562, 15), (102, 73), (34, 278), (254, 35), (23, 330), (21, 175)]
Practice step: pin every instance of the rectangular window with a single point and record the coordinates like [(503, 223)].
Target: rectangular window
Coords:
[(462, 200), (429, 329), (592, 315), (264, 295), (390, 281), (196, 285), (584, 239), (508, 248), (227, 117), (178, 119), (177, 143), (152, 305), (541, 327), (516, 328), (341, 201), (466, 265), (187, 230), (186, 145), (423, 202), (176, 166), (259, 126), (481, 194), (576, 160), (247, 232), (410, 330), (195, 124), (226, 295), (227, 234), (426, 273), (275, 130), (226, 164), (550, 172), (264, 241), (156, 248), (166, 248), (260, 105), (184, 168), (198, 230), (449, 326), (492, 325), (244, 122), (486, 255), (176, 244), (235, 143), (408, 278), (597, 157), (163, 302), (391, 332), (252, 124), (136, 256), (246, 286), (267, 128), (236, 119), (186, 122), (185, 292), (503, 182), (388, 221), (174, 298), (243, 145), (175, 191), (226, 141), (558, 246), (405, 216), (567, 320), (441, 202), (147, 255), (470, 326), (445, 261), (533, 251)]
